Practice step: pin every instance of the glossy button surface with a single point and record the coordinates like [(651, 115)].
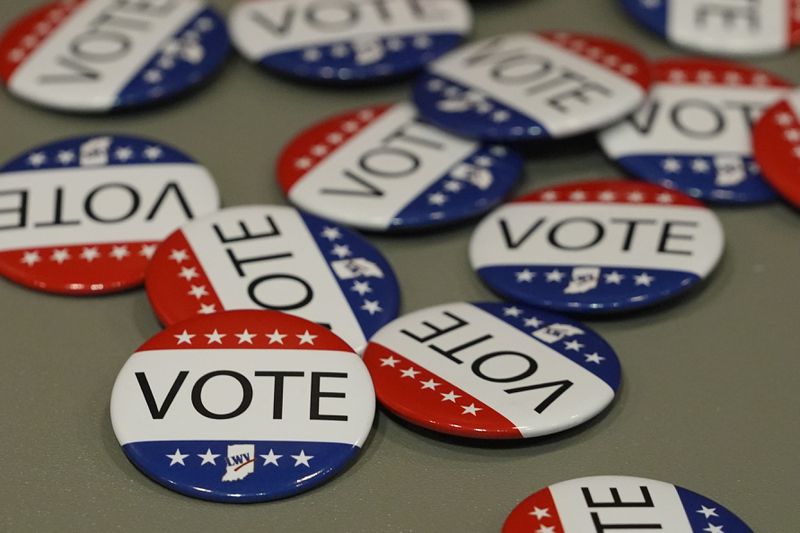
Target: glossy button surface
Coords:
[(776, 141)]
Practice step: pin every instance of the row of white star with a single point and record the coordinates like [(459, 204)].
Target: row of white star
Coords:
[(342, 50), (40, 30), (673, 165), (334, 139), (557, 276), (431, 384), (791, 130), (704, 76), (245, 337), (605, 196), (122, 154), (178, 458), (88, 254), (597, 53)]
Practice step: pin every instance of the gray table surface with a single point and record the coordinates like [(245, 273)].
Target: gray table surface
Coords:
[(709, 397)]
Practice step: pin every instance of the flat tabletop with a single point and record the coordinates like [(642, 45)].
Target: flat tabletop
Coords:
[(708, 400)]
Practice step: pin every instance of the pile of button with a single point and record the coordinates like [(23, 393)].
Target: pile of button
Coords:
[(281, 323)]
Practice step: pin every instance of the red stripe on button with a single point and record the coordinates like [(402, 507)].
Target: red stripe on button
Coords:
[(610, 192), (794, 21), (776, 144), (536, 513), (714, 72), (425, 399)]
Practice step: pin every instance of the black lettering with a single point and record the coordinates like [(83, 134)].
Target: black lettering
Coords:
[(616, 500), (728, 14), (695, 108), (340, 16), (599, 232), (562, 386), (100, 46), (58, 207), (370, 190), (479, 362), (21, 210), (437, 331), (450, 354), (666, 235), (644, 119), (581, 94), (520, 69), (246, 235), (176, 190), (270, 26), (402, 135), (80, 72), (156, 412), (197, 395), (369, 163), (631, 229), (509, 240), (307, 291), (88, 204), (317, 394), (277, 401)]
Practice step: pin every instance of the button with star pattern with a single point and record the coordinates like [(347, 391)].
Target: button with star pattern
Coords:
[(382, 169), (776, 142), (274, 257), (694, 132), (84, 215), (243, 406), (620, 503), (491, 370), (95, 56), (335, 41), (525, 86), (597, 246), (722, 28)]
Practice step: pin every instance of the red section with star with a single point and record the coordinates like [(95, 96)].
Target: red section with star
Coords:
[(776, 144), (611, 191), (691, 71), (536, 514), (79, 269), (177, 285), (425, 399)]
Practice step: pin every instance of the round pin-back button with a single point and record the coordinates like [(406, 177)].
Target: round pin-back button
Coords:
[(96, 56), (597, 246), (607, 503), (492, 370), (84, 215), (743, 29), (274, 257), (340, 42), (382, 169), (527, 86), (243, 406), (776, 143), (694, 132)]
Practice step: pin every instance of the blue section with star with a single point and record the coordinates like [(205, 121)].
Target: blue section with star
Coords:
[(473, 186), (365, 278), (186, 59), (363, 60), (650, 13), (707, 516), (255, 470), (578, 289), (96, 151), (570, 338), (723, 178), (455, 107)]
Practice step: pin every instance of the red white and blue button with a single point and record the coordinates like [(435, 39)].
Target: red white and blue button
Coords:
[(694, 132), (597, 246), (96, 56), (85, 215), (526, 86), (277, 258), (345, 42), (381, 168), (243, 406), (620, 503), (723, 28), (776, 142), (492, 370)]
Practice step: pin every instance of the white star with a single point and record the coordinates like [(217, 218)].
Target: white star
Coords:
[(713, 529), (629, 69), (148, 250), (500, 116), (671, 165), (705, 76), (198, 291), (207, 309), (89, 253), (614, 278), (208, 457), (245, 336), (410, 372), (366, 115), (153, 76), (643, 279), (594, 358), (437, 198), (389, 361), (331, 233), (577, 196), (319, 150), (179, 256), (184, 338), (676, 75), (611, 60), (549, 196), (783, 119), (16, 55), (395, 45), (37, 159), (430, 384), (59, 256), (312, 54), (573, 345), (733, 77), (153, 152), (361, 287), (546, 529), (533, 322), (635, 196), (540, 513), (512, 311), (607, 196), (303, 163), (30, 258), (554, 276), (700, 166), (306, 338), (450, 396), (435, 85), (276, 337), (65, 157), (271, 458), (499, 151), (340, 50), (453, 186), (215, 337), (471, 409), (302, 459), (372, 307), (350, 126), (422, 42), (525, 276), (708, 512), (341, 251), (335, 138), (119, 252), (123, 153), (664, 198), (177, 457), (792, 135), (188, 273)]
